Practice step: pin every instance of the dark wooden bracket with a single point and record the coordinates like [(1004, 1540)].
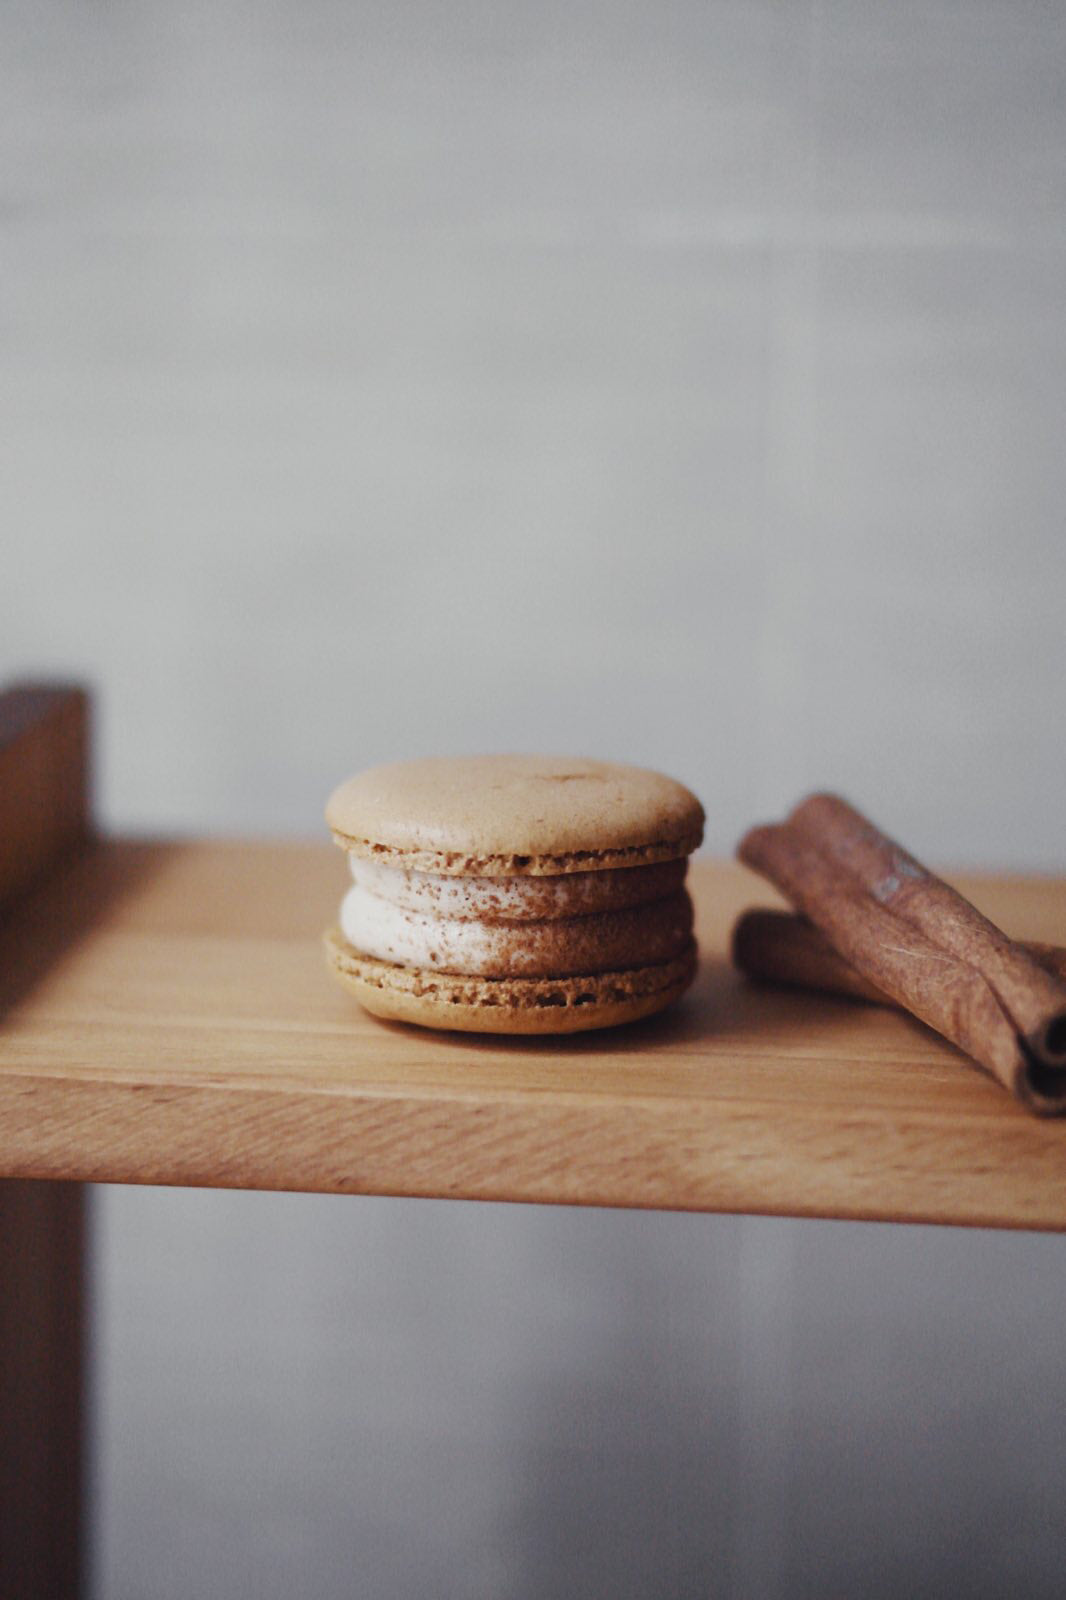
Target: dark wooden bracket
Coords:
[(44, 817)]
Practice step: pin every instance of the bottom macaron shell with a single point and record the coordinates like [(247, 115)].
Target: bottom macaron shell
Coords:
[(507, 1005)]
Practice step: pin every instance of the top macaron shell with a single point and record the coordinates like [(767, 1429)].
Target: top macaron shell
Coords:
[(511, 815)]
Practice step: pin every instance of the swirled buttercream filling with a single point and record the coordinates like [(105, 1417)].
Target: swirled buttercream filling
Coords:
[(580, 922)]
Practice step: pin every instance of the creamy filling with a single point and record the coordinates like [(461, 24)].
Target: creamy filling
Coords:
[(489, 927), (517, 899)]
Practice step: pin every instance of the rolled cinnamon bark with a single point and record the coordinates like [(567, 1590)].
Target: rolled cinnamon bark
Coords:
[(1033, 999), (783, 947), (919, 942)]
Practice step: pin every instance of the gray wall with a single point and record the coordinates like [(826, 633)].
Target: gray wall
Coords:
[(679, 383)]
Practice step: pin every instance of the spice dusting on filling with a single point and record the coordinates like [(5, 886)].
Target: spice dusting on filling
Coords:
[(574, 923)]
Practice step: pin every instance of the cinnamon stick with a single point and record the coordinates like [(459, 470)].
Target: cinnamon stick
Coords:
[(913, 938), (783, 947)]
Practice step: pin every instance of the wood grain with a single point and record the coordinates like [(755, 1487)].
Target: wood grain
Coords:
[(169, 1019)]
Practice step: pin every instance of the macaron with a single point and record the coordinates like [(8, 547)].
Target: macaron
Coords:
[(514, 894)]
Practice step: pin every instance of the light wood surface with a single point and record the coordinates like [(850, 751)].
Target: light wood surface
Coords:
[(168, 1018)]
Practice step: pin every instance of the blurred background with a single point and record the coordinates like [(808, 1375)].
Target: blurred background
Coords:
[(683, 384)]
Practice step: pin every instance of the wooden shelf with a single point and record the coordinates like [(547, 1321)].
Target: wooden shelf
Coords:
[(166, 1016)]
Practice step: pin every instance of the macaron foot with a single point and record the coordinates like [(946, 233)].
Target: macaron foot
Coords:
[(507, 1005)]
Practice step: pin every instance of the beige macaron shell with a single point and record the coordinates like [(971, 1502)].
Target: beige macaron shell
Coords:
[(495, 815), (510, 1005)]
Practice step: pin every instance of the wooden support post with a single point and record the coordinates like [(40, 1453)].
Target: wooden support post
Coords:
[(42, 1232), (44, 816), (44, 781)]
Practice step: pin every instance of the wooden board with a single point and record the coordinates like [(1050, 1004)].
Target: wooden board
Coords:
[(167, 1017)]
